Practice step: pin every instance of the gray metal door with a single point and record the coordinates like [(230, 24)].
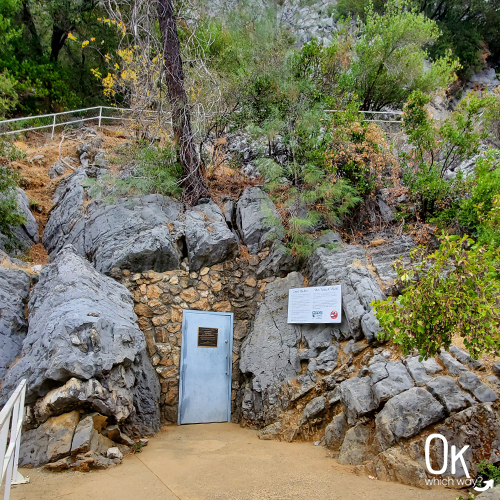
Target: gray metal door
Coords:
[(206, 363)]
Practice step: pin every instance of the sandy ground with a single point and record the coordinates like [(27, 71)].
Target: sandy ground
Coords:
[(219, 462)]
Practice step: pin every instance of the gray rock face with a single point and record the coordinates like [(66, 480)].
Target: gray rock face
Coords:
[(385, 211), (269, 353), (355, 448), (447, 392), (140, 233), (384, 256), (82, 325), (313, 409), (326, 362), (208, 238), (255, 218), (133, 233), (66, 217), (14, 290), (347, 265), (452, 365), (417, 370), (357, 398), (496, 368), (27, 233), (405, 415), (388, 380), (49, 442), (470, 382), (279, 262), (335, 431)]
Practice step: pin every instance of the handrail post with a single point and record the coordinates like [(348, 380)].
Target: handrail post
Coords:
[(100, 115), (53, 126), (11, 424)]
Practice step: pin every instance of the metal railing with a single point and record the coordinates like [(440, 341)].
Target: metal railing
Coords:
[(11, 424), (101, 113), (381, 119), (51, 121)]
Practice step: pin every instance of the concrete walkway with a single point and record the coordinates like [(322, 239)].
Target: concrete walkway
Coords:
[(219, 462)]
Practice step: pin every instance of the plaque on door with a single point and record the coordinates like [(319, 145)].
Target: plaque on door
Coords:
[(208, 337)]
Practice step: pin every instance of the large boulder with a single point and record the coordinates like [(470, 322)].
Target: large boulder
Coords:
[(357, 398), (269, 353), (14, 291), (405, 415), (82, 325), (257, 219), (133, 233), (208, 237), (348, 266), (50, 441), (26, 235)]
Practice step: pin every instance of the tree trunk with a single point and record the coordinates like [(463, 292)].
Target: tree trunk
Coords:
[(59, 37), (192, 181)]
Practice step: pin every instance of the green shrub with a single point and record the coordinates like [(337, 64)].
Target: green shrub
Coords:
[(453, 291), (488, 471)]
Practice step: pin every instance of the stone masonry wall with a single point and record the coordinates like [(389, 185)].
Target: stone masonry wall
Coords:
[(160, 299)]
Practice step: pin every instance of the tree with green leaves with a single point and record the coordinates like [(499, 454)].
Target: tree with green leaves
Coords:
[(389, 58)]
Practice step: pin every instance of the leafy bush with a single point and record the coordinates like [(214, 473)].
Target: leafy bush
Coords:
[(483, 186), (437, 149), (453, 291), (388, 61), (488, 471)]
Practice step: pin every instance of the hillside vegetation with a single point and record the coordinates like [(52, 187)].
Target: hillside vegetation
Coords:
[(297, 107)]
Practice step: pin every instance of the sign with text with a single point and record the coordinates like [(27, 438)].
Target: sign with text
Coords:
[(320, 304)]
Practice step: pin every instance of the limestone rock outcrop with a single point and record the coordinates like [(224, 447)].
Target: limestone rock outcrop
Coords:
[(142, 233), (14, 291), (82, 326), (258, 220)]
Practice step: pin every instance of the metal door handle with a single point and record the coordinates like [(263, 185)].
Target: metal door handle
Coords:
[(228, 357)]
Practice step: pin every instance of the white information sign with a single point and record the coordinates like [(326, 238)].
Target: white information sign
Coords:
[(320, 304)]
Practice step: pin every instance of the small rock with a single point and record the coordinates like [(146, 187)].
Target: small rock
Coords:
[(335, 432), (470, 382), (270, 431), (453, 366), (312, 409), (114, 453), (464, 357)]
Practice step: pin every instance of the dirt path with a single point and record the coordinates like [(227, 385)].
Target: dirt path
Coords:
[(220, 462)]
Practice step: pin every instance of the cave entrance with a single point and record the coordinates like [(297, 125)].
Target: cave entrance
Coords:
[(206, 364)]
